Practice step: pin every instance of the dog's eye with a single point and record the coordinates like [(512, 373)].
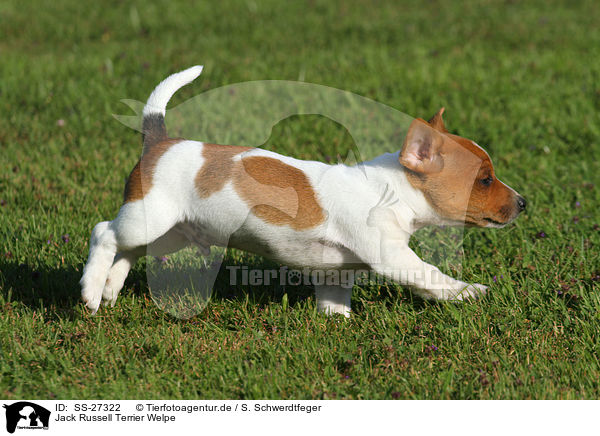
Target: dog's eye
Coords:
[(487, 181)]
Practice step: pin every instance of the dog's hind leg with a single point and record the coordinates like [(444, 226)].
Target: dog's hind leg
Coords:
[(132, 229), (103, 247), (119, 270), (170, 242), (333, 299)]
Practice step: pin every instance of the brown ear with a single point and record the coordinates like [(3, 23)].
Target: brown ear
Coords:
[(421, 149), (437, 122)]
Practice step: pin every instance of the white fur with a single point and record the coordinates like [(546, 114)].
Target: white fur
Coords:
[(157, 102), (371, 211)]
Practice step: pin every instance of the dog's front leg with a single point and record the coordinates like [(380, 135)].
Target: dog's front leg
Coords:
[(401, 264)]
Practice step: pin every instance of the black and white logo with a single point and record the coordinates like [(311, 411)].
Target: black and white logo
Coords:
[(26, 415)]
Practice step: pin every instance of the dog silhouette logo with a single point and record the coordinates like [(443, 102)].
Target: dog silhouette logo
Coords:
[(26, 415)]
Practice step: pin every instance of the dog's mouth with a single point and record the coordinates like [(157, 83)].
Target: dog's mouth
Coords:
[(484, 222), (494, 223)]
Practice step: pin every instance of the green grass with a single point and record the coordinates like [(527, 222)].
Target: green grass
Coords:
[(520, 78)]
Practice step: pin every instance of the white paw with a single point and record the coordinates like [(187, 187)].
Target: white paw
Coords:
[(91, 296), (110, 293), (474, 290), (330, 309)]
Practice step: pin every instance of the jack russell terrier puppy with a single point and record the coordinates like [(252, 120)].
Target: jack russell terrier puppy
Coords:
[(299, 213)]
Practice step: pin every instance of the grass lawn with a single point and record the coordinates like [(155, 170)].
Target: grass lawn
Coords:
[(520, 78)]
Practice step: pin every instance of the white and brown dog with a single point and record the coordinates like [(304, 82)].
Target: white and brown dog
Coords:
[(299, 213)]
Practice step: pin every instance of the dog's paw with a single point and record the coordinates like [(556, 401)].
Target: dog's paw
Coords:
[(110, 293), (91, 297), (471, 291), (331, 309), (91, 293)]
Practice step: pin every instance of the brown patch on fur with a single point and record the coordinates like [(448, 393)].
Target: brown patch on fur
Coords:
[(278, 193), (457, 192), (140, 179), (275, 192), (217, 168)]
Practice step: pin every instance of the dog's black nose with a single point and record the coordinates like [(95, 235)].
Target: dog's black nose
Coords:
[(522, 203)]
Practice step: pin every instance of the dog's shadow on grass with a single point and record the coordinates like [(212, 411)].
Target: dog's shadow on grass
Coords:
[(56, 289), (261, 294)]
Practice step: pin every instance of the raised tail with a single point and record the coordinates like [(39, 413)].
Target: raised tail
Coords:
[(153, 124)]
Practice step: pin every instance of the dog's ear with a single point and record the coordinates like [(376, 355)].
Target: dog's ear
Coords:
[(437, 121), (421, 149)]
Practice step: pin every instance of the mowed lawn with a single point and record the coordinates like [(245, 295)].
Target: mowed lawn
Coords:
[(520, 78)]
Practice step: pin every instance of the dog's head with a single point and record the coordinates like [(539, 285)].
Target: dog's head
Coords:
[(456, 176)]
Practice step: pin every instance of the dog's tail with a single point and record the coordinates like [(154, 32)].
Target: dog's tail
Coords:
[(153, 124)]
